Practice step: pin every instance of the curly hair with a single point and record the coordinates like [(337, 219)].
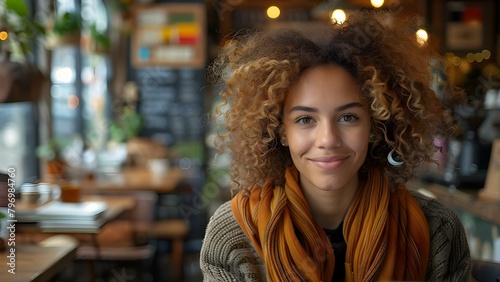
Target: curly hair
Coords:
[(390, 67)]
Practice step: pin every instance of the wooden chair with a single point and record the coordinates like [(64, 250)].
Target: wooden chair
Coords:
[(175, 231), (486, 271), (130, 239), (123, 241)]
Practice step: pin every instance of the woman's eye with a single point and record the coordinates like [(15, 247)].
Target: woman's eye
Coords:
[(304, 120), (348, 118)]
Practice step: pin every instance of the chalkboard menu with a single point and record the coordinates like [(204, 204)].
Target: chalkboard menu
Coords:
[(171, 102)]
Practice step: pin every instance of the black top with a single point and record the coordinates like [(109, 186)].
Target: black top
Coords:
[(339, 249)]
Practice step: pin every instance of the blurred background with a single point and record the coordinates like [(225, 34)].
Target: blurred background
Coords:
[(93, 90)]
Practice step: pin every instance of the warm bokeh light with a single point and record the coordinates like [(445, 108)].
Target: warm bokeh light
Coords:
[(486, 54), (273, 12), (478, 57), (338, 16), (457, 61), (73, 102), (422, 36), (470, 57), (465, 67), (377, 3), (3, 35)]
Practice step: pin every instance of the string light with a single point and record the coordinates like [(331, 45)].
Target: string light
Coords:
[(486, 54), (478, 57), (470, 57)]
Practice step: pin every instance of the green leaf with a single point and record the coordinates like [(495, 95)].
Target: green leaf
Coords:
[(18, 6)]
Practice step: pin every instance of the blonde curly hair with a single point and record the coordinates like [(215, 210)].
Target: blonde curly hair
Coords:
[(382, 54)]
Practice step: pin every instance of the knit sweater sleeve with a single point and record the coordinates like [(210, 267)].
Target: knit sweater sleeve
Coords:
[(449, 254), (226, 253)]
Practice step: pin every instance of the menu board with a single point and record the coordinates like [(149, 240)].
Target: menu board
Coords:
[(171, 102), (169, 35)]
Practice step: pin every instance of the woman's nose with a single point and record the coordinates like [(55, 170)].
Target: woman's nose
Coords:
[(328, 136)]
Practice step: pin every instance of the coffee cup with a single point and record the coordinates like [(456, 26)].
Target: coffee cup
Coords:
[(70, 192), (30, 193)]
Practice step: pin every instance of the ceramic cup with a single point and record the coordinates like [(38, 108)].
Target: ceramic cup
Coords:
[(30, 193), (48, 192)]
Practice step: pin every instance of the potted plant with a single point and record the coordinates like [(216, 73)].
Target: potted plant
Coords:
[(126, 126), (52, 152), (64, 30), (21, 81), (96, 41), (121, 130)]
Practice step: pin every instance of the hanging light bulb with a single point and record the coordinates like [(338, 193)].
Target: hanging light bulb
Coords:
[(422, 36), (377, 3), (338, 16), (273, 12)]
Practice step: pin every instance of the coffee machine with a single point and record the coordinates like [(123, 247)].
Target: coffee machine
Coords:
[(467, 158)]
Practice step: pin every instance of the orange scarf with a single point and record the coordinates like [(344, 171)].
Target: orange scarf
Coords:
[(386, 232)]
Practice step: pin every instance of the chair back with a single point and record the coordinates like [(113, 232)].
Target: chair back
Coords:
[(486, 271)]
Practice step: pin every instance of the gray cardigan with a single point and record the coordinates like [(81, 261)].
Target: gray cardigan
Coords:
[(228, 255)]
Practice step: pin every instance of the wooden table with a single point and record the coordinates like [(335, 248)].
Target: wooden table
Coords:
[(116, 205), (36, 263), (135, 179)]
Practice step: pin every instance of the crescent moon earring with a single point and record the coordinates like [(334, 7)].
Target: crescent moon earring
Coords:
[(392, 161)]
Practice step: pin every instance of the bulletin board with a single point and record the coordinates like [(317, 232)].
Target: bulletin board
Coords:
[(469, 26), (169, 35)]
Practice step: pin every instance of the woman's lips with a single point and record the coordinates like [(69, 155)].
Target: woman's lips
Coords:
[(329, 163)]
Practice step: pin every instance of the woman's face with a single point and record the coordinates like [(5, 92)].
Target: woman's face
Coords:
[(327, 128)]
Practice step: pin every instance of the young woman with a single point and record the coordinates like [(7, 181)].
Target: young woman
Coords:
[(325, 127)]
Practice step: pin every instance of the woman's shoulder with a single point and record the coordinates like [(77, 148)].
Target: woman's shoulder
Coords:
[(227, 253), (435, 211), (223, 215), (449, 251), (223, 228)]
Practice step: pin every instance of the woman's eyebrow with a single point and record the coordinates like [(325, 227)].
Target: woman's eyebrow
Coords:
[(303, 109), (349, 105), (315, 110)]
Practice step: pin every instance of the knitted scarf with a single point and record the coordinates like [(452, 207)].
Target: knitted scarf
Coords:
[(386, 232)]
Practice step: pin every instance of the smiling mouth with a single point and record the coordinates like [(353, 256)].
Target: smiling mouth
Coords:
[(329, 163)]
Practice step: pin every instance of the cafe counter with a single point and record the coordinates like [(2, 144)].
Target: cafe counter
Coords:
[(480, 217)]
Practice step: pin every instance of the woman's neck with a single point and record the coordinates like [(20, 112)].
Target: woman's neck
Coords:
[(328, 208)]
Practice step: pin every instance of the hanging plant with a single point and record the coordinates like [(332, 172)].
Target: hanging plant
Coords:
[(64, 30), (95, 41), (21, 81)]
